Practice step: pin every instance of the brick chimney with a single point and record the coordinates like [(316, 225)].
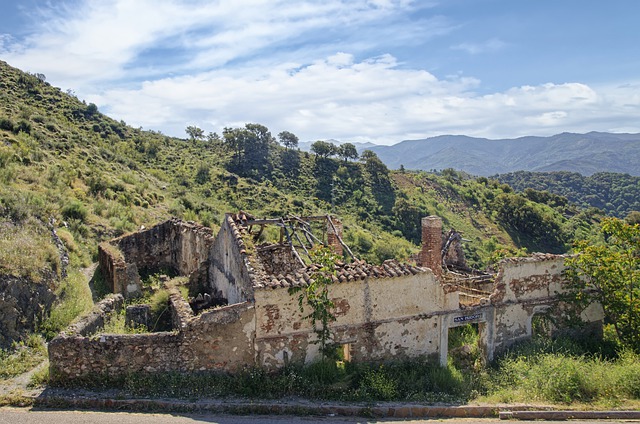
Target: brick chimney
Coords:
[(333, 235), (430, 255)]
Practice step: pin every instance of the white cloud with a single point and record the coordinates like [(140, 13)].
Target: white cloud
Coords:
[(491, 45), (369, 100), (98, 41), (321, 69)]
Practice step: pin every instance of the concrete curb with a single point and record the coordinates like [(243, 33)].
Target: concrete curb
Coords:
[(569, 415), (327, 409), (268, 408)]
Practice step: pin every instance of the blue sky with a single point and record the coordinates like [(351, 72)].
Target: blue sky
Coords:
[(353, 70)]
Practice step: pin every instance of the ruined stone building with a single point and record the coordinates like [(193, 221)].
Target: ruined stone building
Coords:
[(384, 312)]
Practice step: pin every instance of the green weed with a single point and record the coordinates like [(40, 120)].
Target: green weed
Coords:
[(22, 357), (74, 298)]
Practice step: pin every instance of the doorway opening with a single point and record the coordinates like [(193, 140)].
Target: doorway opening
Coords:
[(542, 326), (343, 354), (464, 346)]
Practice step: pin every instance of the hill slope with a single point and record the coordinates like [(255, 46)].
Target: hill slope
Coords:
[(583, 153)]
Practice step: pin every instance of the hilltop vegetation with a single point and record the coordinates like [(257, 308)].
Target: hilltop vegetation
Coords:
[(66, 166), (616, 194)]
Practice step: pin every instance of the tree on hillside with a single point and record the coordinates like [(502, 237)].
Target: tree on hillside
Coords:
[(251, 146), (348, 151), (609, 273), (288, 140), (633, 217), (532, 225), (194, 132), (379, 180), (324, 149)]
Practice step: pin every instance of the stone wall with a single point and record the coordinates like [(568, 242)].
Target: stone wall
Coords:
[(96, 318), (72, 357), (174, 244), (278, 259), (218, 339)]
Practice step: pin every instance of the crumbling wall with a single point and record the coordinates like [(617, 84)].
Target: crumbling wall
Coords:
[(173, 244), (96, 318), (334, 235), (219, 339), (229, 269), (278, 259), (73, 357), (525, 287), (379, 318), (120, 276)]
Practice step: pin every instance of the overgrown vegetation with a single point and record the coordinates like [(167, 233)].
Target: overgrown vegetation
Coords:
[(561, 371), (616, 194), (315, 297), (22, 357), (74, 298), (608, 272), (566, 371)]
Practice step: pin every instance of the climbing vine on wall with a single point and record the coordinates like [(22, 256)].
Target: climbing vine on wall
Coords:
[(315, 296)]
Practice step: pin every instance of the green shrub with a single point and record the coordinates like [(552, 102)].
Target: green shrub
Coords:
[(25, 251), (74, 210), (22, 126), (74, 299), (160, 311), (378, 384), (6, 124)]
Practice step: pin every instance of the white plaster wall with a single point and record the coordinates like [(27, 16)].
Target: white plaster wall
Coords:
[(398, 313), (408, 296), (530, 279), (511, 323), (408, 338)]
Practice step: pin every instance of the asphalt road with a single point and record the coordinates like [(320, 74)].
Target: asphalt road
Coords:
[(27, 416)]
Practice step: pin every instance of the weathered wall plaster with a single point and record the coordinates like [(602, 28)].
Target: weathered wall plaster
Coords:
[(229, 275), (376, 323)]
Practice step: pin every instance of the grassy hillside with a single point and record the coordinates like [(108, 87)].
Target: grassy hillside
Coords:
[(66, 166)]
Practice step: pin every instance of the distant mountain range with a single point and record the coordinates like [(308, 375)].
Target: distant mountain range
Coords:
[(583, 153)]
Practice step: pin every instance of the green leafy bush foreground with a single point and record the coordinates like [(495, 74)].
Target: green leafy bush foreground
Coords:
[(540, 371)]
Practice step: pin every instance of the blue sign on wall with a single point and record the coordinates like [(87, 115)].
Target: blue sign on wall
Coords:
[(467, 318)]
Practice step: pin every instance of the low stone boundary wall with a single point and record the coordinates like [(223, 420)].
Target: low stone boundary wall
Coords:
[(96, 319), (72, 357)]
